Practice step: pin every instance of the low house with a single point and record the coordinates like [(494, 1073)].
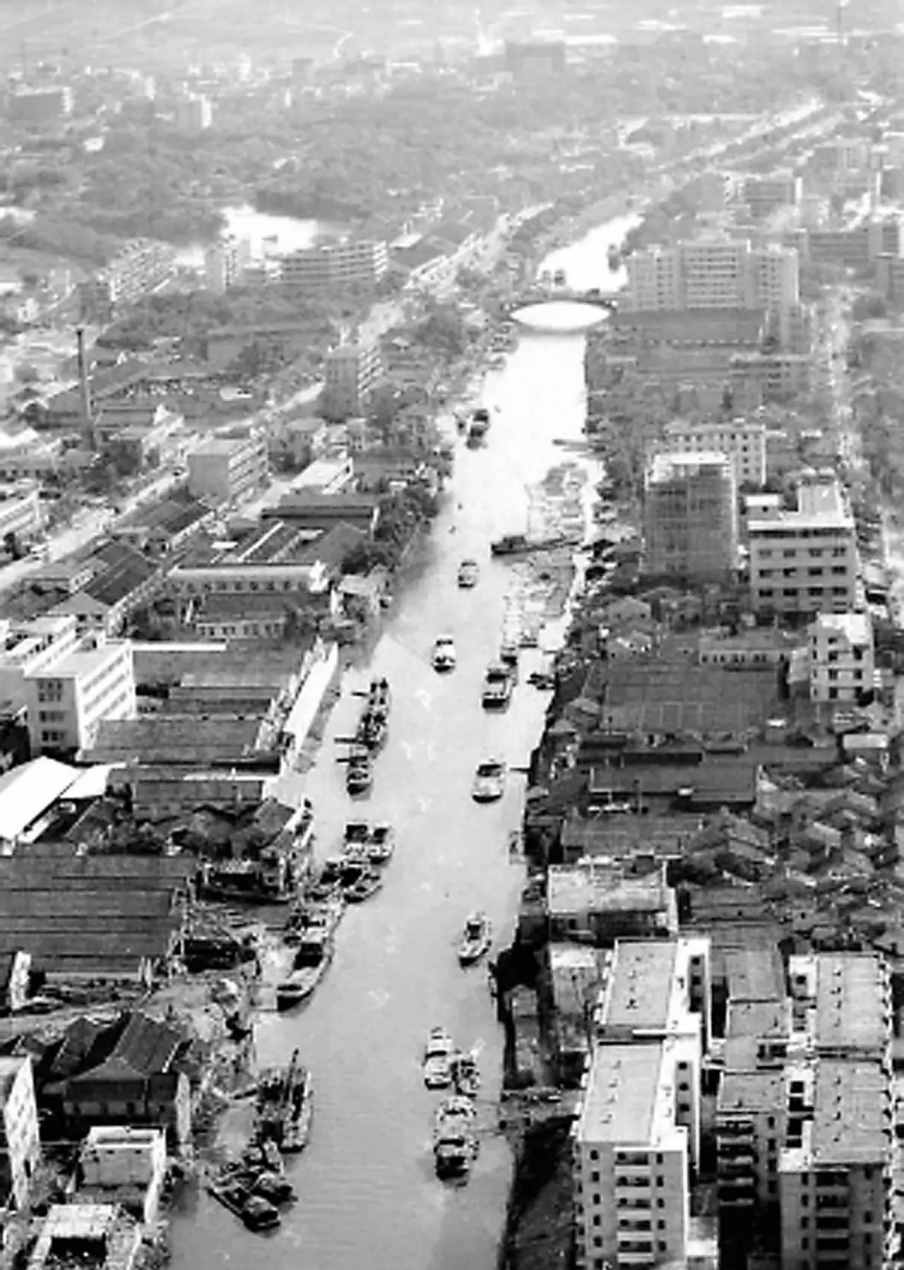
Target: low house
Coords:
[(99, 1236), (124, 1165)]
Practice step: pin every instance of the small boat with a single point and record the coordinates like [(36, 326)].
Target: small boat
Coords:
[(613, 255), (489, 781), (520, 544), (284, 1106), (508, 657), (381, 843), (378, 696), (559, 278), (468, 574), (444, 655), (254, 1211), (475, 939), (438, 1059), (274, 1189), (359, 775), (497, 687), (372, 730), (363, 885), (312, 958), (367, 843), (479, 425), (465, 1075), (454, 1138), (355, 840)]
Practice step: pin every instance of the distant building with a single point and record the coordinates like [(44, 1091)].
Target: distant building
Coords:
[(223, 265), (335, 265), (123, 1165), (533, 57), (690, 516), (842, 665), (193, 113), (32, 106), (595, 901), (21, 513), (20, 1146), (742, 440), (712, 274), (351, 372), (70, 1234), (138, 268), (806, 561), (227, 469), (68, 698), (768, 193)]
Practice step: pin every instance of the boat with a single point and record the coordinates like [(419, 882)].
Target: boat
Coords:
[(381, 843), (312, 958), (444, 655), (559, 278), (360, 773), (613, 255), (489, 781), (372, 730), (479, 425), (274, 1189), (475, 939), (497, 687), (438, 1054), (313, 914), (454, 1138), (368, 843), (508, 657), (520, 544), (468, 574), (254, 1211), (362, 882), (284, 1106), (378, 695), (465, 1075)]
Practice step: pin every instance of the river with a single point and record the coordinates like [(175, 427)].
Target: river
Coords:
[(367, 1191)]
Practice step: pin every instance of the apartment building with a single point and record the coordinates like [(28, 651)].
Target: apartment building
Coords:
[(68, 698), (755, 378), (138, 268), (806, 560), (362, 261), (841, 1005), (227, 469), (690, 516), (351, 372), (842, 664), (742, 440), (750, 1128), (20, 1147), (29, 647), (712, 274), (223, 264), (835, 1169), (193, 113), (767, 193), (21, 513), (31, 106), (630, 1161)]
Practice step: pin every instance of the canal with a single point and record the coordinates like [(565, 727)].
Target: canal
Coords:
[(368, 1196)]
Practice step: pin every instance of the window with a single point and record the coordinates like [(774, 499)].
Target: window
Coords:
[(595, 1177)]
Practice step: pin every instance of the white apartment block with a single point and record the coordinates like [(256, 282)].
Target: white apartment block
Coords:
[(630, 1161), (20, 1146), (351, 372), (842, 664), (841, 1005), (227, 469), (29, 647), (741, 440), (660, 990), (68, 698), (713, 274), (336, 264), (21, 512), (806, 561), (751, 1114)]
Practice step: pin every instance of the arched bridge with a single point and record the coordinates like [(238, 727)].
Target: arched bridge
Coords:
[(542, 295)]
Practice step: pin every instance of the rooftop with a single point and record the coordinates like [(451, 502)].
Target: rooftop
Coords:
[(629, 1098), (820, 504), (600, 886), (851, 1001), (757, 1018), (28, 790), (10, 1066), (754, 974), (83, 661), (849, 1120), (680, 464), (856, 628), (751, 1091)]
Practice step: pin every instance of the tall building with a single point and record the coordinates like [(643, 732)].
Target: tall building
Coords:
[(68, 698), (712, 274), (20, 1147), (742, 440), (767, 193), (226, 469), (362, 261), (351, 372), (40, 105), (142, 265), (194, 113), (690, 516), (806, 560), (223, 263), (842, 664)]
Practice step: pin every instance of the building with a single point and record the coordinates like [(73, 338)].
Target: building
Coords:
[(690, 516), (841, 1004), (835, 1182), (751, 1118), (351, 372), (806, 560), (755, 378), (742, 440), (120, 1164), (630, 1161), (595, 901), (228, 469), (193, 113), (842, 666), (20, 1148), (139, 267), (21, 513), (28, 647), (335, 265), (35, 106), (712, 274), (767, 193), (91, 1236), (223, 264), (535, 57), (69, 697), (28, 455)]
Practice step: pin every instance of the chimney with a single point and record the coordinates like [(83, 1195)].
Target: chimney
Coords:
[(87, 418)]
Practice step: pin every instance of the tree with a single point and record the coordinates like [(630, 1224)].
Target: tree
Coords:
[(12, 546)]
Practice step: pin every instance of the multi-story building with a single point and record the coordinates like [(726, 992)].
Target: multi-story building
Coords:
[(193, 113), (40, 105), (712, 274), (227, 469), (755, 378), (841, 1004), (68, 698), (751, 1116), (223, 264), (598, 902), (331, 265), (806, 561), (842, 666), (742, 440), (351, 372), (28, 647), (20, 1146), (835, 1169), (690, 516), (766, 194), (142, 265), (21, 514), (630, 1161)]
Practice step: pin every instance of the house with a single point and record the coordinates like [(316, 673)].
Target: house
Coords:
[(322, 511), (20, 1146), (99, 1236), (133, 1076), (125, 1165), (15, 973)]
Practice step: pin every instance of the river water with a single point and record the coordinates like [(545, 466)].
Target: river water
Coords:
[(368, 1196)]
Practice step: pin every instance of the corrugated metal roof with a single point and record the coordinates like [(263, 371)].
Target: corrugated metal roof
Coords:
[(27, 791)]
